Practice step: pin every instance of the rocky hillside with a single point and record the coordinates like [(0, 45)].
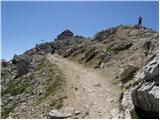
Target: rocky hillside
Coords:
[(123, 60)]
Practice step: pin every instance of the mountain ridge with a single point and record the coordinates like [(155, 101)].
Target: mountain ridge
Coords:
[(127, 53)]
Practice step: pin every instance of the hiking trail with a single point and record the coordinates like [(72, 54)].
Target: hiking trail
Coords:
[(88, 91)]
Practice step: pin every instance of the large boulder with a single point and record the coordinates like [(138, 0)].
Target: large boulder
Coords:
[(141, 99), (22, 67), (22, 64), (146, 94), (151, 70), (146, 97)]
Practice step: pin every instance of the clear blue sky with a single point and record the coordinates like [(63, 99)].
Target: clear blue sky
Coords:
[(26, 23)]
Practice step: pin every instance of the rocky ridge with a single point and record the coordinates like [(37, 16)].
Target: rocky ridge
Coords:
[(130, 52)]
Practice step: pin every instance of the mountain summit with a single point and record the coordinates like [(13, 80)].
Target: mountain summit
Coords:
[(65, 34)]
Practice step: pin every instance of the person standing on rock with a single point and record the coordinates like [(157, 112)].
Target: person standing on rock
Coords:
[(140, 21)]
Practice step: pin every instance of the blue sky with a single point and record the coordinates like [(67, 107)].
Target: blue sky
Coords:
[(26, 23)]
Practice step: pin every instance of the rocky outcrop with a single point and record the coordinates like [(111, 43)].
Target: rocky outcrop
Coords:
[(100, 36), (65, 34), (4, 63), (22, 64), (127, 73), (88, 53), (146, 93), (69, 51), (105, 56), (121, 46), (143, 96)]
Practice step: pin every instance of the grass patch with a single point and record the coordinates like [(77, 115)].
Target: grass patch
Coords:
[(40, 65), (52, 86), (57, 104), (52, 79), (15, 88), (109, 47), (7, 110)]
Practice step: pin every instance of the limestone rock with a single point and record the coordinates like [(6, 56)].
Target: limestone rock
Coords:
[(55, 114), (146, 97), (146, 93), (150, 71)]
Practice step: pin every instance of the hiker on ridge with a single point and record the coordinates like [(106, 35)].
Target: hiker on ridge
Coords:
[(140, 21)]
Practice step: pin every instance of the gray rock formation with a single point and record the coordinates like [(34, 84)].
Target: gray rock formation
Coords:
[(121, 46), (127, 73), (105, 56), (141, 99), (104, 34), (69, 51), (22, 64), (65, 34), (146, 93), (4, 63)]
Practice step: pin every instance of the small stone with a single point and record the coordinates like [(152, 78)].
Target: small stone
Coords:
[(76, 88), (97, 85), (55, 114), (111, 100), (77, 112), (87, 112), (99, 113)]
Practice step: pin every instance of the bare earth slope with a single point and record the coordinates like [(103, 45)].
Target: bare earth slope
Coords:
[(87, 90)]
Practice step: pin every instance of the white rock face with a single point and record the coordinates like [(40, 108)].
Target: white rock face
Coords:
[(151, 70), (146, 93), (127, 105)]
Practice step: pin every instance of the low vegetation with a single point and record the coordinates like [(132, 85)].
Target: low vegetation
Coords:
[(5, 112), (48, 78)]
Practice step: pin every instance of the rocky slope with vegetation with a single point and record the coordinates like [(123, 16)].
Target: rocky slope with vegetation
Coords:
[(115, 74)]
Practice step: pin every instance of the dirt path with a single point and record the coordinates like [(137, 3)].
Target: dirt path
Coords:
[(87, 90)]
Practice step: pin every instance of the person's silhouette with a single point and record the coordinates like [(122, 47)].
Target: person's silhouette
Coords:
[(140, 21)]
